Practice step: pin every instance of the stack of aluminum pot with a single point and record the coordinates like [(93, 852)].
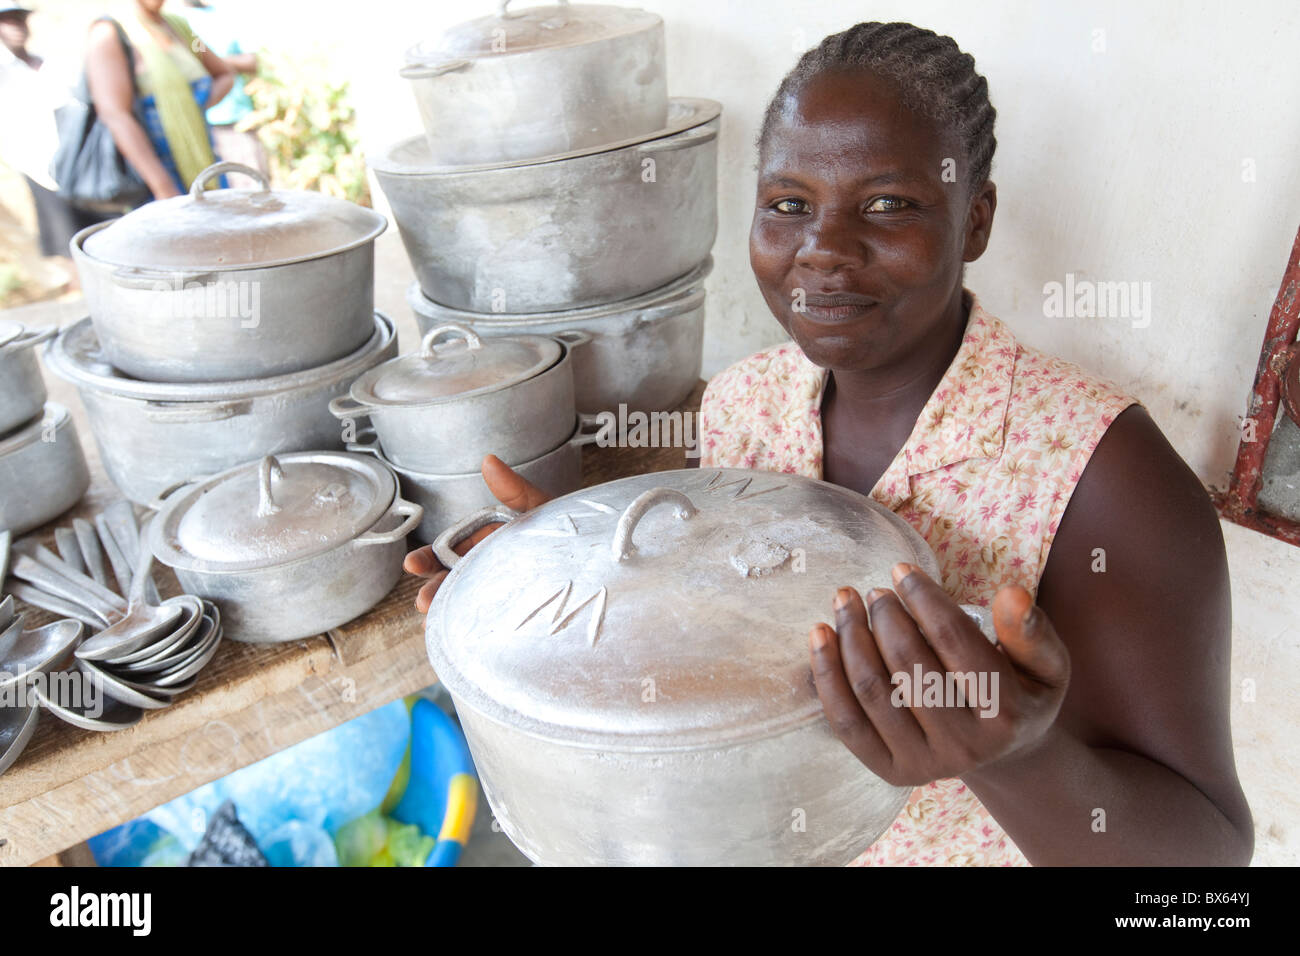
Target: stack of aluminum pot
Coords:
[(42, 469), (221, 325), (558, 189)]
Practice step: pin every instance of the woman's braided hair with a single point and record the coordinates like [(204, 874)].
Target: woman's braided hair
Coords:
[(933, 77)]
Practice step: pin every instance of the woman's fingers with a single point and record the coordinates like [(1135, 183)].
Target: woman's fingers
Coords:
[(1029, 639), (420, 561), (956, 640), (843, 710), (427, 592), (509, 487)]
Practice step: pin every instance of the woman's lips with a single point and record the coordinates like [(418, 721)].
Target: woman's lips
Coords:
[(837, 307)]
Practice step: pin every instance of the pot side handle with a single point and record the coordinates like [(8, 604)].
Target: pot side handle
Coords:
[(462, 529), (412, 515), (622, 547), (344, 407), (427, 71)]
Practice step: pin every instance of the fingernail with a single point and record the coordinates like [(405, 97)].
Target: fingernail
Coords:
[(874, 595), (818, 637), (902, 570), (842, 598)]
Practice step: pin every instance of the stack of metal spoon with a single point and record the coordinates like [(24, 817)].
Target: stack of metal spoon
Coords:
[(140, 652)]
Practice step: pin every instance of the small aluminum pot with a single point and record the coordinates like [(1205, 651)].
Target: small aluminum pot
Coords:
[(43, 471), (645, 353), (22, 390), (231, 284), (447, 498), (580, 229), (442, 409), (289, 546), (154, 435), (539, 81)]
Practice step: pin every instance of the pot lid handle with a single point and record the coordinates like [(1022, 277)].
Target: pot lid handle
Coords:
[(501, 8), (622, 546), (429, 350), (199, 186), (265, 503)]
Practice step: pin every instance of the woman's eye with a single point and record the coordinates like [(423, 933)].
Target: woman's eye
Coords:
[(887, 204), (790, 206)]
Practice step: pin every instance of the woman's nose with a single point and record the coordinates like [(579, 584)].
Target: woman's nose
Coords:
[(831, 242)]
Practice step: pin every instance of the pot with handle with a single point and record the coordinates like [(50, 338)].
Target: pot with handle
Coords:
[(645, 353), (443, 408), (153, 435), (538, 81), (22, 390), (636, 651), (230, 284), (578, 229), (43, 471), (445, 497), (288, 546)]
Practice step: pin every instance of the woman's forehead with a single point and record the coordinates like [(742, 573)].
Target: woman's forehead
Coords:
[(854, 118)]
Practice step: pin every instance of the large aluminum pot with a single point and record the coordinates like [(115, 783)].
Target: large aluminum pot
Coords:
[(42, 471), (153, 435), (580, 229), (22, 390), (288, 546), (445, 407), (644, 353), (446, 498), (230, 284), (635, 651), (539, 81)]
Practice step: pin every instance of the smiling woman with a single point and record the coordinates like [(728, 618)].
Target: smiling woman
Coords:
[(1111, 741)]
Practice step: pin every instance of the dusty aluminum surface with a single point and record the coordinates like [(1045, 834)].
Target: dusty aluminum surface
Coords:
[(539, 81), (43, 472), (22, 389), (153, 436), (588, 230), (645, 353)]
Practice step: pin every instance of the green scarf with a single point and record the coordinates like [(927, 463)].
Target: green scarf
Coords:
[(181, 117)]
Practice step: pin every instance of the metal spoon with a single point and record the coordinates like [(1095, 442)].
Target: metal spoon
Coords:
[(55, 584), (120, 518), (91, 554), (5, 538), (144, 623), (121, 566), (6, 615), (9, 631), (17, 724), (40, 649), (56, 605), (65, 539), (45, 556)]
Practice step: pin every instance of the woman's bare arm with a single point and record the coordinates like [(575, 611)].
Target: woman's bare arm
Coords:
[(109, 76), (223, 76), (1138, 768)]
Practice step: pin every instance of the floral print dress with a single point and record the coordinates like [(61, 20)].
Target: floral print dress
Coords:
[(984, 476)]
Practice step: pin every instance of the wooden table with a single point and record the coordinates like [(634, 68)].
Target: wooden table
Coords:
[(250, 702)]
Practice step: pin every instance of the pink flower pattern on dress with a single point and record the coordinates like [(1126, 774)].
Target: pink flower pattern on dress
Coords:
[(984, 477)]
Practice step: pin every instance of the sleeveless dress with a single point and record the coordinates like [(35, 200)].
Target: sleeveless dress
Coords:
[(984, 477)]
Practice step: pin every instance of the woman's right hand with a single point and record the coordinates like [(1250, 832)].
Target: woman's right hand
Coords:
[(510, 489)]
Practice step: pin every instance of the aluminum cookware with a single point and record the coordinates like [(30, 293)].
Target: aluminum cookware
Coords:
[(573, 230), (154, 435), (446, 498), (445, 407), (22, 390), (289, 546), (230, 284), (42, 471), (540, 80), (636, 652), (645, 353)]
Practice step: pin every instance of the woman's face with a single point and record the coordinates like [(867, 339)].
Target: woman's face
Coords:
[(151, 6), (862, 223)]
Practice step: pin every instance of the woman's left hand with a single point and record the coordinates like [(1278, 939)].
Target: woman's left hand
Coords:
[(866, 673)]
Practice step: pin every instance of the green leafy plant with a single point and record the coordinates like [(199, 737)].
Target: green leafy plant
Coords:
[(308, 128)]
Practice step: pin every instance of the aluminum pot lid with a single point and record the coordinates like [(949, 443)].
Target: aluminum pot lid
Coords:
[(663, 611), (271, 512), (454, 362), (533, 28), (233, 228)]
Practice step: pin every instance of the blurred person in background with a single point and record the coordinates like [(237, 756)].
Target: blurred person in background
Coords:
[(31, 90), (177, 76), (234, 145)]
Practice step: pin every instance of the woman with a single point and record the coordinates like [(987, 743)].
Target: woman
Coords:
[(177, 78), (1042, 490)]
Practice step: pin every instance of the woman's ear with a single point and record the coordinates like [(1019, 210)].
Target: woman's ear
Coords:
[(979, 221)]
